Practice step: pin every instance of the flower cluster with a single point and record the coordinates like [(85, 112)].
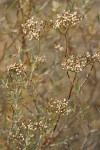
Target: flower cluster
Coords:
[(65, 20), (59, 106), (77, 63), (34, 125), (38, 62), (24, 132), (36, 29), (19, 132), (41, 59), (59, 47), (17, 68)]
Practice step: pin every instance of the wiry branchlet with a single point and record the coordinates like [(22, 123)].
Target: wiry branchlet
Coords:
[(76, 63), (66, 19), (59, 106), (35, 29)]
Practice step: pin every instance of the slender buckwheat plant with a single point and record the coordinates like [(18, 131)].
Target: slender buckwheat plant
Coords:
[(49, 82)]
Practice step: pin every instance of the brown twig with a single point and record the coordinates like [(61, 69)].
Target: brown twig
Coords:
[(72, 86), (86, 77)]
